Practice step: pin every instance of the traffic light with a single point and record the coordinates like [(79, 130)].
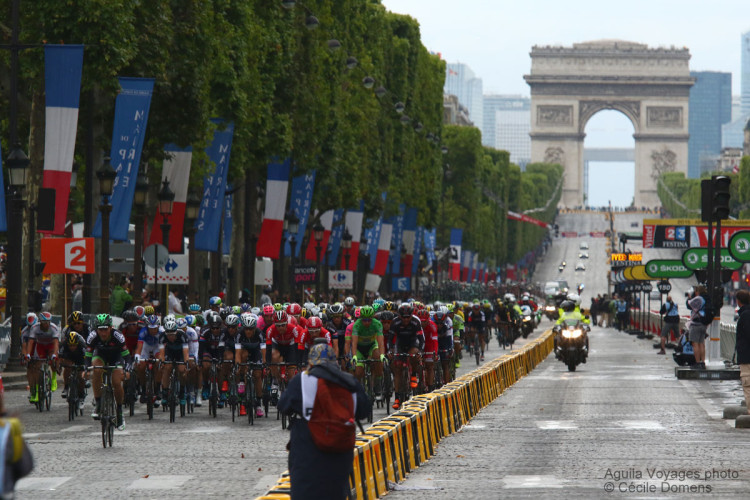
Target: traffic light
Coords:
[(720, 197)]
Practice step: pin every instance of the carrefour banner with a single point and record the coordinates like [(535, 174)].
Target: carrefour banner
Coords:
[(301, 199), (131, 116), (227, 228), (214, 188), (334, 242)]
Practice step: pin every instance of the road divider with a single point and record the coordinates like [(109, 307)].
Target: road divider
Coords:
[(395, 445)]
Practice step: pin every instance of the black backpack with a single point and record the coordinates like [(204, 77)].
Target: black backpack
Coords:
[(706, 312)]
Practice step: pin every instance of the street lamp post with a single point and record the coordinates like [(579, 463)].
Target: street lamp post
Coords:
[(139, 203), (318, 231), (106, 175), (166, 203), (18, 164)]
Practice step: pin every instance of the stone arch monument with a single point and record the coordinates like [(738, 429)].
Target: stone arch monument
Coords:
[(651, 86)]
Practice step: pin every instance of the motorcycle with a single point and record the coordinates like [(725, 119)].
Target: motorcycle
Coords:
[(572, 343), (527, 321), (551, 311)]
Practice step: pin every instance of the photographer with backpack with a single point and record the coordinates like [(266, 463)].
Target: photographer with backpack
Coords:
[(700, 317), (327, 402)]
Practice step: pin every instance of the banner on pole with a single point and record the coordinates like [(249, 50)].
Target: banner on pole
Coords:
[(214, 188)]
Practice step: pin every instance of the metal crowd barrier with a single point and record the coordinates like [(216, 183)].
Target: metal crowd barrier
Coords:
[(396, 445)]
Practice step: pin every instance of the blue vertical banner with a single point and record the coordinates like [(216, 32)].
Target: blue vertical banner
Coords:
[(3, 214), (430, 235), (418, 235), (227, 228), (131, 117), (301, 199), (373, 237), (396, 239), (334, 242), (214, 188)]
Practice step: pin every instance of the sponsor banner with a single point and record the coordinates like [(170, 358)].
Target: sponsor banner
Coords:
[(372, 282), (569, 234), (68, 255), (304, 274), (301, 198), (685, 233), (401, 284), (264, 271), (175, 272), (272, 228), (341, 279), (597, 234)]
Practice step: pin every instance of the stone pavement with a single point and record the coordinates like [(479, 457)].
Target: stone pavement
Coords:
[(621, 422), (196, 457)]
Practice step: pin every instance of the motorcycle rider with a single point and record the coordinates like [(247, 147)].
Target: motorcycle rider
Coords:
[(571, 312)]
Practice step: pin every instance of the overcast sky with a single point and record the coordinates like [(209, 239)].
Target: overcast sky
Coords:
[(494, 37)]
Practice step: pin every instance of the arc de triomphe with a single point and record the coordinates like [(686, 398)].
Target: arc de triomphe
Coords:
[(651, 86)]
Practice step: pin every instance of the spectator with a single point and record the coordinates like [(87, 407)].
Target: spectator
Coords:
[(594, 311), (121, 298), (175, 307), (266, 298), (77, 296), (18, 459), (696, 329), (742, 345), (670, 322), (316, 474)]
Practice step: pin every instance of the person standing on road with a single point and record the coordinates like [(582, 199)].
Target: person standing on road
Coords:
[(696, 329), (671, 322), (18, 460), (742, 345), (315, 473)]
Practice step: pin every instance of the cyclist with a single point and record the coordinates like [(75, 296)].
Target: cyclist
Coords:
[(445, 338), (491, 322), (44, 343), (294, 311), (211, 346), (281, 345), (228, 335), (457, 319), (310, 336), (249, 345), (173, 348), (386, 319), (409, 339), (148, 347), (337, 325), (214, 305), (349, 306), (72, 353), (477, 323), (31, 320), (367, 343), (106, 347), (185, 324), (129, 329), (430, 346), (266, 319)]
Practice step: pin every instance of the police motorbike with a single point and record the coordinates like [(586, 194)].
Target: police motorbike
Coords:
[(571, 342), (551, 311), (527, 321)]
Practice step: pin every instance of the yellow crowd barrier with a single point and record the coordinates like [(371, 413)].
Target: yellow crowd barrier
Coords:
[(395, 445)]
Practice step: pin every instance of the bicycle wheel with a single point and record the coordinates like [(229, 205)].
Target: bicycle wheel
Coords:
[(105, 416), (172, 400), (149, 394), (477, 347), (370, 392), (47, 388), (132, 393), (181, 395), (213, 399), (250, 397), (72, 397), (387, 386)]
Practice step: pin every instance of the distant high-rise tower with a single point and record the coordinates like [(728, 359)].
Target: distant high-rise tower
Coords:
[(507, 123), (710, 108), (461, 82), (745, 76), (732, 134)]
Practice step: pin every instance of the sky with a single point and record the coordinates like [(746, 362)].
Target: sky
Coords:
[(494, 38)]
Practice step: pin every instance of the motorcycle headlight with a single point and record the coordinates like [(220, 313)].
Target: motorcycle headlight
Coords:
[(549, 308), (572, 334)]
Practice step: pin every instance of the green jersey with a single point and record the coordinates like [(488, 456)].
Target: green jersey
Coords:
[(458, 323), (367, 334)]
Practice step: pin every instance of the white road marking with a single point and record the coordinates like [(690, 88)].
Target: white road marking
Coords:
[(518, 482), (206, 430), (75, 428), (556, 424), (159, 482), (41, 483), (649, 425)]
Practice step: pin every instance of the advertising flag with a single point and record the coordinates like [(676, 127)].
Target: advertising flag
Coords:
[(419, 234), (227, 228), (301, 199), (354, 226), (176, 170), (455, 254), (63, 65), (214, 189), (384, 247), (277, 185), (131, 117), (398, 232), (334, 242), (409, 235)]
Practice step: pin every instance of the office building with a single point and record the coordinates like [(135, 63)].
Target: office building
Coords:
[(461, 82), (710, 108), (507, 123)]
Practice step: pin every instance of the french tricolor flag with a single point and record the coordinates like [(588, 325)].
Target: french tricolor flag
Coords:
[(466, 266), (277, 185), (176, 170), (326, 220), (354, 225), (454, 264), (408, 239), (62, 79), (384, 249)]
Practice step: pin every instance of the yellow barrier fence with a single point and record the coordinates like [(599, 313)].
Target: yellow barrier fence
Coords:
[(395, 445)]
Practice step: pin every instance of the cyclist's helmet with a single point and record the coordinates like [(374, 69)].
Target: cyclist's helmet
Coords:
[(335, 310), (223, 313), (356, 312), (389, 306), (129, 316), (232, 320), (405, 310), (249, 320), (441, 314), (194, 308), (168, 317), (103, 320), (385, 315), (237, 310), (140, 311), (199, 320), (170, 325), (366, 312), (294, 309), (280, 317), (268, 310), (149, 310), (72, 338), (182, 323), (45, 316), (423, 314), (245, 307), (314, 323), (190, 319), (152, 321), (278, 306), (378, 304), (306, 313), (214, 301), (568, 305), (349, 301), (255, 310), (75, 317), (213, 321)]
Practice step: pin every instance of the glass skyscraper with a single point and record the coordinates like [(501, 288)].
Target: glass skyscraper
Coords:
[(461, 82), (745, 75), (710, 108), (507, 123)]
